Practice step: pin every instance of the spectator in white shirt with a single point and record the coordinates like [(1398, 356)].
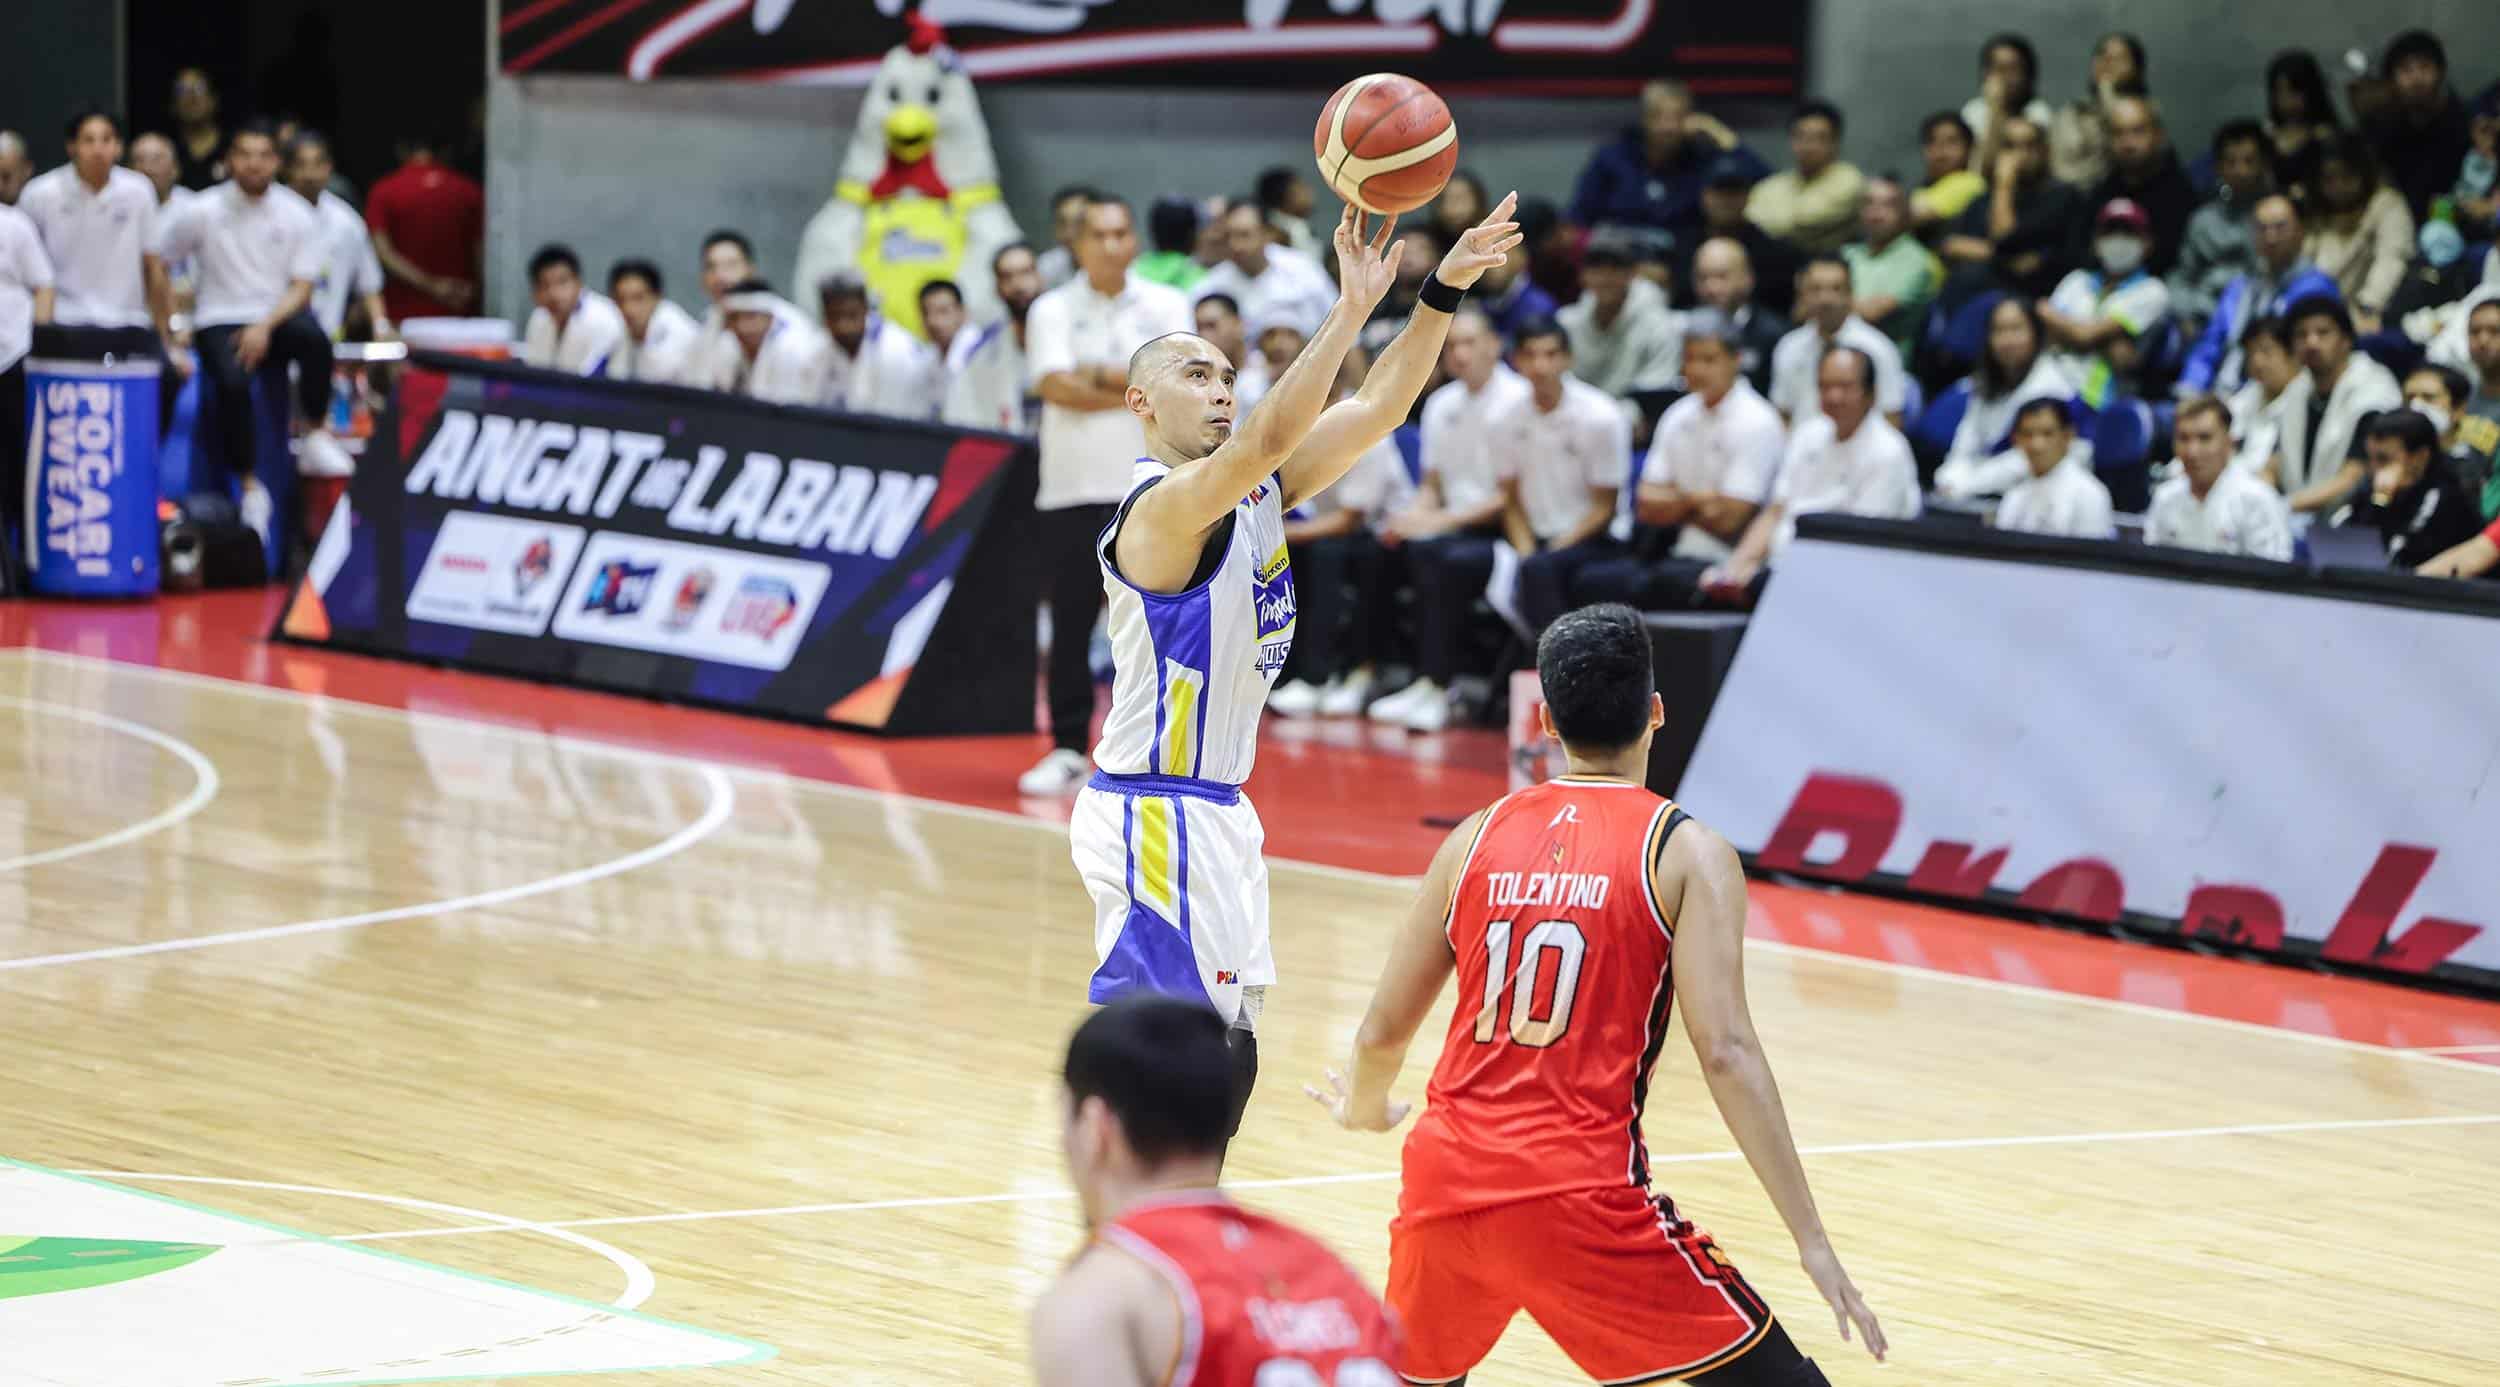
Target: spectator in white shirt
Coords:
[(1623, 335), (98, 223), (1847, 460), (2014, 369), (878, 368), (349, 271), (942, 320), (1338, 571), (728, 260), (776, 354), (2276, 393), (990, 389), (152, 157), (660, 337), (1271, 283), (1447, 535), (1077, 342), (259, 250), (1827, 317), (26, 302), (2211, 505), (2061, 496), (1219, 321), (2099, 321), (1709, 469), (1568, 447), (574, 329), (2322, 451)]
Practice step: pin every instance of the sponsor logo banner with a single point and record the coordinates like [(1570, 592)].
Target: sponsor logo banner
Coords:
[(2272, 769), (691, 600), (495, 573)]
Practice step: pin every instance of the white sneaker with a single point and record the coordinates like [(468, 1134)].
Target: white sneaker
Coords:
[(1396, 706), (318, 454), (1346, 694), (1430, 714), (255, 509), (1058, 773), (1294, 700)]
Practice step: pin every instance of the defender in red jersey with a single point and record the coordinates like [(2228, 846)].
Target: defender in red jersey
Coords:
[(1575, 914), (1181, 1287)]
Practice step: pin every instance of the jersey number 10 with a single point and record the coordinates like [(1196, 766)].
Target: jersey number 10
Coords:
[(1563, 941)]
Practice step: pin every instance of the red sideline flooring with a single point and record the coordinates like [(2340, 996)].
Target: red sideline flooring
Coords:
[(1338, 793)]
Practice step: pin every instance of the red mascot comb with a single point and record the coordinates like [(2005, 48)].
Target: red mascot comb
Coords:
[(925, 34)]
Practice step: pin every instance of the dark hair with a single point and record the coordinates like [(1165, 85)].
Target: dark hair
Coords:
[(1273, 185), (1536, 216), (78, 121), (644, 270), (1172, 223), (2351, 149), (2022, 48), (1595, 667), (1810, 109), (1993, 383), (1825, 258), (2328, 306), (1010, 248), (841, 284), (2243, 131), (936, 286), (729, 237), (1866, 364), (2135, 50), (2208, 404), (2414, 43), (1536, 328), (2273, 327), (1083, 190), (249, 129), (1163, 1067), (550, 256), (307, 139), (752, 284), (2409, 429), (2299, 67), (2452, 382), (2046, 404), (1099, 198), (1231, 305), (1927, 127)]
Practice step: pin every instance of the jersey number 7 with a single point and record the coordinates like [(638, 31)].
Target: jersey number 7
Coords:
[(1562, 940)]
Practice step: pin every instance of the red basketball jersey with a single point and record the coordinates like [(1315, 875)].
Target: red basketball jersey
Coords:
[(1563, 993), (1262, 1305)]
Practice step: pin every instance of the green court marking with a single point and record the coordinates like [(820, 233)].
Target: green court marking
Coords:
[(39, 1266), (757, 1350)]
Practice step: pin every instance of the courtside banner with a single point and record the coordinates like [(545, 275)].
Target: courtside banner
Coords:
[(2254, 760), (1574, 47), (687, 545)]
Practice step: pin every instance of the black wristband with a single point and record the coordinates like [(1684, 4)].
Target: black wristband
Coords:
[(1437, 294)]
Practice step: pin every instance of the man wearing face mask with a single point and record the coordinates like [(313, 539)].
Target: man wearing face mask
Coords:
[(2098, 319), (2439, 394), (2281, 277)]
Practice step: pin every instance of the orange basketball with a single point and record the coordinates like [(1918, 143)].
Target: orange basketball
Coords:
[(1386, 143)]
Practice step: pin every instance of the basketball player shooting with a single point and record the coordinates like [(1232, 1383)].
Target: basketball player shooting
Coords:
[(1575, 914), (1201, 613)]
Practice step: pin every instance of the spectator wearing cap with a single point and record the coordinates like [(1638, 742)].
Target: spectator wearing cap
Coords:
[(1271, 283), (2415, 500), (2009, 87), (2210, 505), (2098, 319), (2361, 235), (2413, 121), (1723, 277), (1622, 333), (2021, 236), (2276, 392), (1894, 276), (2322, 448), (2280, 277), (1567, 449), (1708, 472), (2220, 244), (2014, 369), (574, 330), (1285, 201), (1652, 174), (2079, 131), (1949, 187), (1813, 206), (1845, 460), (2144, 170), (660, 337), (1172, 224), (2060, 496), (1824, 304)]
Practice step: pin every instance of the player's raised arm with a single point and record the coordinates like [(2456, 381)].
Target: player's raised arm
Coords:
[(1352, 426), (1699, 876), (1420, 961), (1106, 1323)]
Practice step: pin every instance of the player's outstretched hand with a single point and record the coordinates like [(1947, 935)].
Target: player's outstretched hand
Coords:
[(1481, 247), (1848, 1307), (1340, 1105), (1367, 264)]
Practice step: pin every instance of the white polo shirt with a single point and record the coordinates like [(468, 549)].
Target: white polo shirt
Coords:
[(590, 340), (23, 269), (1797, 361), (1559, 455), (791, 368), (1728, 449), (1458, 440), (667, 346), (2240, 515), (96, 241), (1870, 473), (895, 374), (1292, 289), (988, 390), (1088, 455), (249, 250), (2069, 501), (349, 270)]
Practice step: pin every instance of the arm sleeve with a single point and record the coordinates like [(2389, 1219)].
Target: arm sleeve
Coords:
[(1753, 463), (307, 261), (368, 268), (34, 268), (2269, 529), (1611, 458), (1047, 349), (177, 232)]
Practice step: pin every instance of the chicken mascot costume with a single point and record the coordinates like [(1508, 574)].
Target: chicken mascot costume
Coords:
[(918, 194)]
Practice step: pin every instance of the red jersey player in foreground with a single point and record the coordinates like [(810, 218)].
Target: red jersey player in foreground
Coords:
[(1181, 1287), (1574, 914)]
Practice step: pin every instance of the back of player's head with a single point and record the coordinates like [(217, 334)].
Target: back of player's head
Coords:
[(1161, 1066), (1595, 669)]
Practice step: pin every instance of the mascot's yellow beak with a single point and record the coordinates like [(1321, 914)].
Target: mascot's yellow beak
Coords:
[(909, 131)]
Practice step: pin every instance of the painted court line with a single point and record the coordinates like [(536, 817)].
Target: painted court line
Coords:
[(300, 699), (204, 782), (2491, 1049), (2254, 1129)]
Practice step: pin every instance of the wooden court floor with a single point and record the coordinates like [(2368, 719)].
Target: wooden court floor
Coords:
[(789, 1047)]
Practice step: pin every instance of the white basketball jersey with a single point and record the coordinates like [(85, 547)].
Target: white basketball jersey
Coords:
[(1192, 669)]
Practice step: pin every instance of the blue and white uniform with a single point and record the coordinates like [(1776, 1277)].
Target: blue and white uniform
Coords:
[(1169, 849)]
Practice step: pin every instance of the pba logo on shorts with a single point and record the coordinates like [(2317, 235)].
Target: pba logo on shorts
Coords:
[(691, 590), (762, 605), (619, 587)]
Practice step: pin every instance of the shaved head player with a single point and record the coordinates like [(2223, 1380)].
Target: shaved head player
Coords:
[(1576, 913), (1201, 613)]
